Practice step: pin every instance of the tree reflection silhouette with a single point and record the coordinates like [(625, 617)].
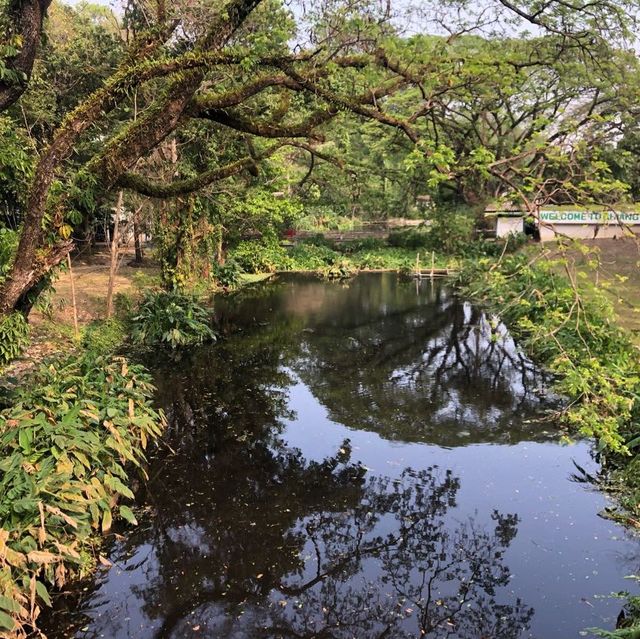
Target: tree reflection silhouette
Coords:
[(384, 560), (244, 537)]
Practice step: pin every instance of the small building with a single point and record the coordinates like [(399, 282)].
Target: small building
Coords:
[(509, 218), (575, 222)]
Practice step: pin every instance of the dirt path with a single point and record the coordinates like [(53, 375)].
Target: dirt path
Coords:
[(52, 327)]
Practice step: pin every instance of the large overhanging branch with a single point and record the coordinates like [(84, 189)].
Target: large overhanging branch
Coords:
[(163, 190), (268, 129), (225, 100), (355, 105)]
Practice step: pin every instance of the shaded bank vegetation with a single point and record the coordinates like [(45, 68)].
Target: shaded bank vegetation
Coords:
[(68, 440), (568, 324)]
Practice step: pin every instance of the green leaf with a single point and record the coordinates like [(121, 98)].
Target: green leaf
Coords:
[(6, 621), (41, 589), (127, 514)]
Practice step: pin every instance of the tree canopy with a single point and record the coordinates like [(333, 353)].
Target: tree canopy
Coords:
[(341, 105)]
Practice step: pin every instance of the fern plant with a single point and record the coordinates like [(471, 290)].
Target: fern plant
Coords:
[(172, 319)]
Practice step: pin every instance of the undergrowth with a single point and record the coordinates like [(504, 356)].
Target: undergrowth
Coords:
[(170, 318), (65, 442), (569, 326)]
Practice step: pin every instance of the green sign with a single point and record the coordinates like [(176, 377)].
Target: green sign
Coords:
[(550, 216)]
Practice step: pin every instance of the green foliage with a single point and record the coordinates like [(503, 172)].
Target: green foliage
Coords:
[(16, 162), (451, 229), (412, 238), (261, 211), (104, 337), (14, 337), (448, 230), (64, 446), (8, 246), (324, 219), (569, 326), (172, 319), (341, 270), (123, 303), (629, 625), (319, 255), (262, 256), (227, 275), (313, 255), (391, 258)]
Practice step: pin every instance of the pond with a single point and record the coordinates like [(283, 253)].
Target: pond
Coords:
[(359, 460)]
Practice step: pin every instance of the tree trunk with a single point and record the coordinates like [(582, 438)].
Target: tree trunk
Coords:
[(27, 20), (136, 240), (143, 135)]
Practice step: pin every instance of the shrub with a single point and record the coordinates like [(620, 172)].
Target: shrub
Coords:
[(411, 239), (64, 444), (310, 256), (14, 337), (320, 240), (341, 270), (170, 318), (451, 231), (123, 304), (322, 218), (365, 244), (229, 274), (262, 256), (103, 337), (8, 246)]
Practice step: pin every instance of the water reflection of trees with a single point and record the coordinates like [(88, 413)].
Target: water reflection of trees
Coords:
[(426, 374), (410, 363), (312, 550), (245, 537)]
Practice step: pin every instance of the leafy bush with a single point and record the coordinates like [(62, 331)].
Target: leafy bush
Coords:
[(320, 240), (229, 274), (309, 256), (365, 244), (322, 218), (64, 444), (386, 258), (103, 337), (262, 211), (341, 270), (413, 238), (171, 318), (262, 256), (123, 304), (451, 231), (8, 246), (14, 337)]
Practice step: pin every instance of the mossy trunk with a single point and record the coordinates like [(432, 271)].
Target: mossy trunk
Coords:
[(36, 256)]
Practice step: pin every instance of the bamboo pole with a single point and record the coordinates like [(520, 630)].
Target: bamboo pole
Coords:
[(73, 298), (114, 256)]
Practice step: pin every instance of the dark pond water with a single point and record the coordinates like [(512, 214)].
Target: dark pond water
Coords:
[(360, 460)]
